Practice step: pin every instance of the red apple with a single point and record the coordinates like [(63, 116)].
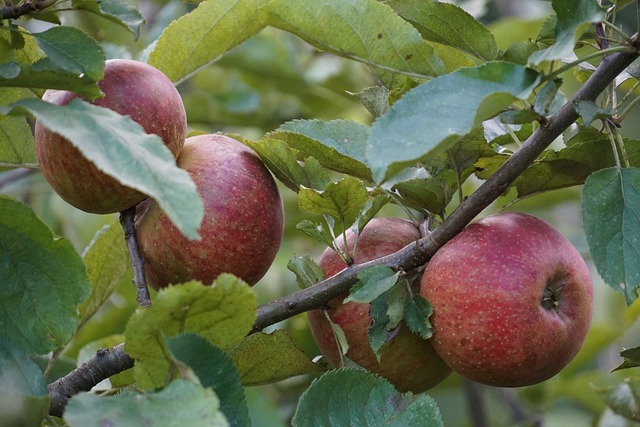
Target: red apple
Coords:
[(243, 220), (408, 362), (131, 88), (512, 300)]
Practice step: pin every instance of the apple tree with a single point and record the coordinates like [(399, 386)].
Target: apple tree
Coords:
[(388, 126)]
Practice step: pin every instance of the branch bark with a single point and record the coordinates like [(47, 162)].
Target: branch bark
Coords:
[(408, 258)]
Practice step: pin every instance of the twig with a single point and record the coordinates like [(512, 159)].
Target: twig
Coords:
[(419, 252), (127, 219), (519, 415), (105, 363), (10, 176), (475, 401)]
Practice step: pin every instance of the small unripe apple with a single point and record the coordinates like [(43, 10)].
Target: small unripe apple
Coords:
[(408, 362), (243, 218), (512, 300), (130, 88)]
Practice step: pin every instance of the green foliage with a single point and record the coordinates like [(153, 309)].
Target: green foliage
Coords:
[(107, 262), (353, 397), (307, 271), (372, 282), (181, 402), (436, 114), (48, 280), (222, 313), (215, 370), (265, 358), (610, 203)]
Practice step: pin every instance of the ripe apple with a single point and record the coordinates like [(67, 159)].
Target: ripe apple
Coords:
[(243, 220), (131, 88), (512, 300), (409, 362)]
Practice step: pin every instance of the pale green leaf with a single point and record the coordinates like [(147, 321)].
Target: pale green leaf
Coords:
[(623, 399), (368, 31), (590, 111), (342, 200), (436, 114), (349, 397), (611, 221), (574, 17), (307, 271), (267, 358), (105, 138), (108, 262), (182, 403), (43, 279), (204, 35), (316, 231), (223, 314), (416, 315), (16, 138), (448, 24)]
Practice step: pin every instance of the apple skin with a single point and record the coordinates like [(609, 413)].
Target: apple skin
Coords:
[(487, 287), (409, 362), (131, 88), (243, 221)]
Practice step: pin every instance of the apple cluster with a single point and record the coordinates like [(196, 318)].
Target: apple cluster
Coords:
[(243, 221), (511, 296)]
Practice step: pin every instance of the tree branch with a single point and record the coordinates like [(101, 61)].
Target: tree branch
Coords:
[(105, 363), (412, 256), (127, 219)]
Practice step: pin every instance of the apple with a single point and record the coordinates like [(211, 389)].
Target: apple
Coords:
[(130, 88), (512, 300), (408, 362), (243, 219)]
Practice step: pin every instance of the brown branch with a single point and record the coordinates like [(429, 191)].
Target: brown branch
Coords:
[(15, 11), (127, 219), (412, 256), (105, 363)]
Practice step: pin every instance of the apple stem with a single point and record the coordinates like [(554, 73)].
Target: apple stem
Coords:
[(127, 219)]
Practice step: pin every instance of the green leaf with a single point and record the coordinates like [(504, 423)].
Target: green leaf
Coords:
[(416, 315), (546, 96), (24, 398), (574, 17), (378, 332), (590, 111), (118, 11), (108, 262), (71, 50), (585, 153), (105, 138), (307, 271), (216, 370), (27, 67), (222, 313), (611, 221), (283, 161), (16, 137), (623, 399), (350, 397), (43, 278), (448, 24), (436, 114), (204, 35), (375, 99), (182, 403), (369, 210), (338, 145), (431, 193), (631, 358), (316, 231), (367, 31), (372, 282), (267, 358), (396, 300), (342, 200)]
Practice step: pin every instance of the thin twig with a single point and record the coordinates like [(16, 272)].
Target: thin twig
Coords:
[(13, 175), (475, 402), (127, 219)]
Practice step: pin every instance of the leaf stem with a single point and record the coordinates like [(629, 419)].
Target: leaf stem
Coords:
[(604, 52), (620, 117), (614, 148)]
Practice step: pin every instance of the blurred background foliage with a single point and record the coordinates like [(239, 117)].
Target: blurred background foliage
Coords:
[(275, 77)]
